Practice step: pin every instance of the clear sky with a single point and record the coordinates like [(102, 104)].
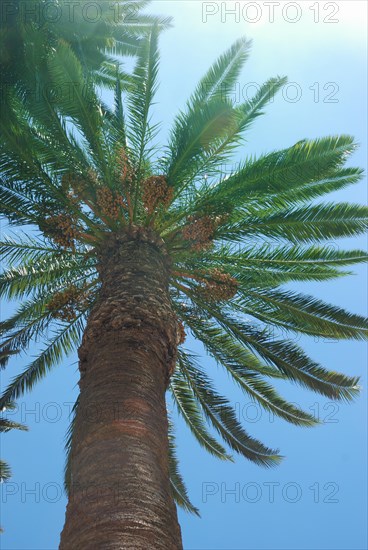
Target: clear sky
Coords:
[(316, 500)]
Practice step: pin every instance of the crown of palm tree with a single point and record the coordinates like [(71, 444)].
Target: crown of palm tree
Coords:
[(81, 174)]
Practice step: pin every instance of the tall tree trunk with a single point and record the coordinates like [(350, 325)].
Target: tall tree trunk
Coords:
[(120, 488)]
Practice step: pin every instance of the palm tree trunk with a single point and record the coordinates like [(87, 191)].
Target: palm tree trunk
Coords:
[(120, 494)]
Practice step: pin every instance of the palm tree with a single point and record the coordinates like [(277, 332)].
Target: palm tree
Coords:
[(94, 33), (129, 247)]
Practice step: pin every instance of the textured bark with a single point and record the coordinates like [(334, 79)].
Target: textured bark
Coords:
[(120, 488)]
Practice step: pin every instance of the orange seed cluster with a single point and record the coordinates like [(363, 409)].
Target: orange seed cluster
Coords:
[(156, 192), (65, 305), (222, 286), (110, 205), (200, 231), (181, 333), (62, 229), (125, 169)]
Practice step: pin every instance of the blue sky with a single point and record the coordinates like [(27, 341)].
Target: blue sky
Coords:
[(316, 500)]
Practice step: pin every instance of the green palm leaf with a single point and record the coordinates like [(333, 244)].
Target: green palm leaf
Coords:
[(80, 103), (5, 426), (223, 417), (176, 480), (140, 99), (303, 163), (59, 346), (291, 361), (304, 224), (247, 371), (222, 75), (187, 406), (305, 314)]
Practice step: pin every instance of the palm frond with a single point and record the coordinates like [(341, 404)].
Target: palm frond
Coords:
[(60, 345), (68, 448), (25, 249), (80, 103), (246, 370), (140, 98), (6, 425), (44, 275), (307, 165), (291, 360), (223, 417), (243, 116), (30, 320), (194, 136), (177, 483), (222, 75), (187, 406), (303, 313), (5, 471), (304, 224)]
